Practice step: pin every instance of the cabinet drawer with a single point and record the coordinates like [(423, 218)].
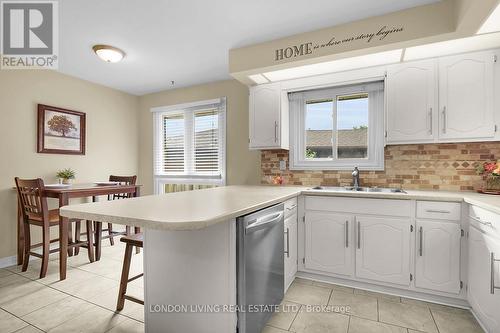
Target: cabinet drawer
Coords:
[(290, 207), (386, 207), (485, 220), (437, 210)]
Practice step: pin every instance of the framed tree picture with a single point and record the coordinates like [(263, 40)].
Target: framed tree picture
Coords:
[(60, 131)]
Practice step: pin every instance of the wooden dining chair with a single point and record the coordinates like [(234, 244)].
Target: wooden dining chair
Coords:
[(35, 212), (124, 180)]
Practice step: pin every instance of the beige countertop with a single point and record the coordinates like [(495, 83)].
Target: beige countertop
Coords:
[(199, 209)]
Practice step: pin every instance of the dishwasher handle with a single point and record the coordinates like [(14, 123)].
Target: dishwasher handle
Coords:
[(263, 222)]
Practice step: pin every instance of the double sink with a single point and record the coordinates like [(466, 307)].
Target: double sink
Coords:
[(357, 189)]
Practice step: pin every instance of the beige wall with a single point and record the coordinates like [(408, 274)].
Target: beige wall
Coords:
[(112, 135), (242, 165)]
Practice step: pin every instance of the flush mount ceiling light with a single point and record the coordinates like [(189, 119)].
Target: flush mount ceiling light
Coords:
[(462, 45), (492, 23), (369, 60), (108, 53)]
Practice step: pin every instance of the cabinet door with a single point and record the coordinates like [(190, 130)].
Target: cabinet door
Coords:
[(466, 96), (327, 243), (265, 103), (383, 249), (484, 303), (290, 249), (412, 102), (438, 256)]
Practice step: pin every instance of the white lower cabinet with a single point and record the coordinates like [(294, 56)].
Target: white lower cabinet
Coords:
[(290, 249), (383, 249), (438, 256), (404, 244), (484, 274), (327, 243)]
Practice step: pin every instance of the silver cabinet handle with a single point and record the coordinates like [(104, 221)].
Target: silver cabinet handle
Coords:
[(346, 233), (421, 240), (439, 211), (430, 117), (444, 120), (275, 131), (287, 252), (359, 235), (291, 207), (492, 284), (489, 224)]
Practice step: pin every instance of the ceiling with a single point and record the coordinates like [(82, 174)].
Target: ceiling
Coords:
[(187, 41)]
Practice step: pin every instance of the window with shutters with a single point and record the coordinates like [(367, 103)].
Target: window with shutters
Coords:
[(189, 145)]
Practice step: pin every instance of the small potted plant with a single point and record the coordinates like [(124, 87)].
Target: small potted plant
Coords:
[(491, 174), (66, 175)]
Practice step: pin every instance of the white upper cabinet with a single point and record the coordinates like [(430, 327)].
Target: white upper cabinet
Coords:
[(268, 117), (412, 102), (438, 256), (466, 97), (328, 246), (383, 249)]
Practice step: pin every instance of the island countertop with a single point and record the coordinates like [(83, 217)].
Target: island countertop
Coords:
[(199, 209)]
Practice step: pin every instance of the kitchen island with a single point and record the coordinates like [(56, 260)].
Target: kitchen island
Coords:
[(190, 245), (189, 251)]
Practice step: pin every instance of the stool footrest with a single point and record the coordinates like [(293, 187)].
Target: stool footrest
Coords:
[(135, 277), (133, 299)]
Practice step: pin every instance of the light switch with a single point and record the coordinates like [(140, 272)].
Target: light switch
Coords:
[(282, 165)]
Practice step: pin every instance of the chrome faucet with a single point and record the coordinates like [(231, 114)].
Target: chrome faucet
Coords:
[(355, 178)]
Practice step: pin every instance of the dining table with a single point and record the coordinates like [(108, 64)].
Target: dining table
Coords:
[(64, 194)]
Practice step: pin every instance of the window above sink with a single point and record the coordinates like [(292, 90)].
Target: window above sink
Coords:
[(336, 128)]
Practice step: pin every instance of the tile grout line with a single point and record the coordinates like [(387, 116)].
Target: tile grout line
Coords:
[(433, 319), (70, 295), (294, 317), (329, 297), (29, 324), (378, 312), (390, 324)]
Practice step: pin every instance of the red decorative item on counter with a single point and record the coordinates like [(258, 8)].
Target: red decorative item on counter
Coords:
[(491, 173), (278, 180)]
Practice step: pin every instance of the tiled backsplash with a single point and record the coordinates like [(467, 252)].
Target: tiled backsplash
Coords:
[(431, 166)]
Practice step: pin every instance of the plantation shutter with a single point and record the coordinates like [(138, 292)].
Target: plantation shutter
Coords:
[(190, 143)]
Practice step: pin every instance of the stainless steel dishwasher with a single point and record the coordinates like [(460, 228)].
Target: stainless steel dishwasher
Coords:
[(260, 267)]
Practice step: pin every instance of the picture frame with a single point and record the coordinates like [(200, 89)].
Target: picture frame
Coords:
[(60, 131)]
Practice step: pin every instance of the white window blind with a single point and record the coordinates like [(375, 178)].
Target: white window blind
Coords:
[(190, 143)]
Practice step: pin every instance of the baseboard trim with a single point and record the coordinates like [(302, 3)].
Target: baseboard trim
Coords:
[(417, 295), (8, 261), (479, 320), (12, 261)]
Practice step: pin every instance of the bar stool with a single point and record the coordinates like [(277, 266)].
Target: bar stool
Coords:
[(136, 240), (34, 210)]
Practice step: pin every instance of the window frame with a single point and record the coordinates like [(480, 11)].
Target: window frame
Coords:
[(376, 129), (186, 177)]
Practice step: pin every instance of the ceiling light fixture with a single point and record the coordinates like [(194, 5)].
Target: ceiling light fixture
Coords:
[(492, 23), (369, 60), (108, 53)]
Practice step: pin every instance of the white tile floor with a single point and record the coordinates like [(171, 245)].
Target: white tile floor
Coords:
[(86, 301)]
